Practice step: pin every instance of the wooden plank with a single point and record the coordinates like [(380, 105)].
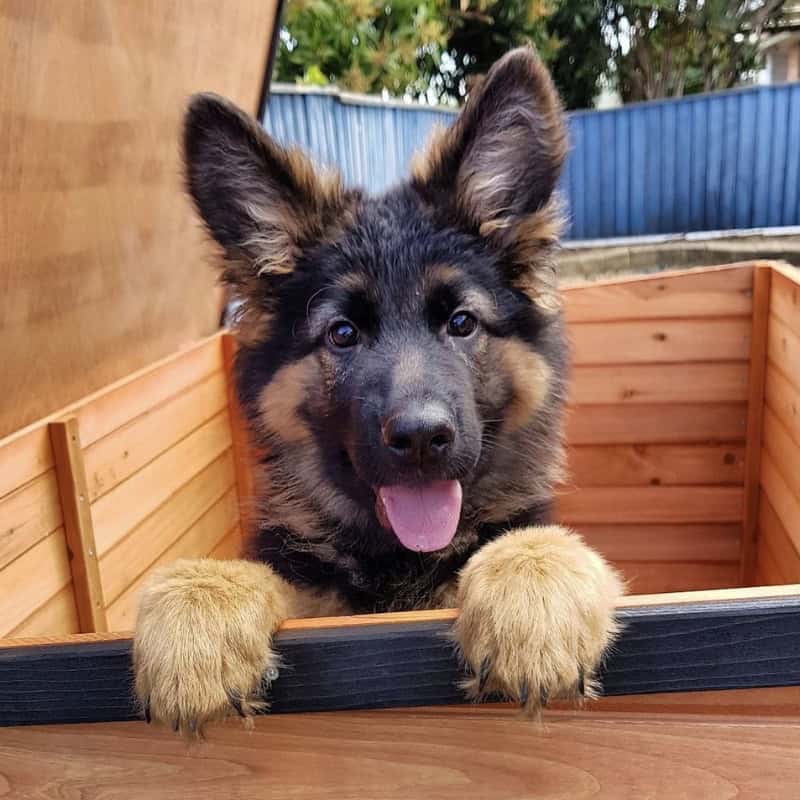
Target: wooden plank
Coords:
[(784, 400), (59, 615), (198, 541), (119, 511), (230, 547), (242, 449), (664, 543), (690, 647), (650, 504), (660, 341), (721, 292), (655, 465), (762, 277), (785, 452), (78, 527), (644, 577), (785, 503), (105, 267), (656, 424), (780, 701), (24, 456), (32, 579), (28, 515), (768, 572), (642, 384), (438, 754), (115, 405), (128, 559), (773, 535), (115, 457), (784, 349), (785, 300)]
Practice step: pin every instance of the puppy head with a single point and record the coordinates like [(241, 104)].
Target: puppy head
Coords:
[(401, 354)]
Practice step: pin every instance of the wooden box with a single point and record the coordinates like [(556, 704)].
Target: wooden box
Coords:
[(684, 448)]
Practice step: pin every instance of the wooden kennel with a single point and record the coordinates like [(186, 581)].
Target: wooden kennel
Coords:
[(683, 433)]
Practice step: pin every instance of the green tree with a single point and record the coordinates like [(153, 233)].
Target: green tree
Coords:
[(668, 48)]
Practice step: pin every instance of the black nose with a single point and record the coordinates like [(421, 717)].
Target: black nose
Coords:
[(419, 434)]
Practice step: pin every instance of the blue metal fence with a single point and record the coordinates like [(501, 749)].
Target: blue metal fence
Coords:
[(710, 162)]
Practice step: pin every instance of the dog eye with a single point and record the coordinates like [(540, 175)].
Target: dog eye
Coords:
[(462, 323), (343, 333)]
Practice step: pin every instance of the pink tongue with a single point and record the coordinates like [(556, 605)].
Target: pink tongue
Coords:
[(423, 517)]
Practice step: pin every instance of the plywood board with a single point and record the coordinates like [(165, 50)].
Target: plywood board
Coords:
[(103, 267)]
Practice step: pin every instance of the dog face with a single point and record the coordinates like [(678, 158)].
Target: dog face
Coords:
[(402, 360)]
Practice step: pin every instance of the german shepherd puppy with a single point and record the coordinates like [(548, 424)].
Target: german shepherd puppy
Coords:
[(402, 364)]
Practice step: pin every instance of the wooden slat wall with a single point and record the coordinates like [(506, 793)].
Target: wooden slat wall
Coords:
[(35, 580), (778, 537), (162, 483), (656, 428), (157, 450), (103, 266)]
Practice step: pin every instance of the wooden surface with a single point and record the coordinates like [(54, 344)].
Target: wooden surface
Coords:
[(778, 530), (712, 645), (762, 281), (159, 484), (103, 267), (438, 754), (657, 424), (78, 525)]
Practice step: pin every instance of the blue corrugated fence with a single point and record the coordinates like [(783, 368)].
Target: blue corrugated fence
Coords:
[(710, 162)]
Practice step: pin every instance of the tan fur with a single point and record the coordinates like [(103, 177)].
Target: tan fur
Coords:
[(280, 400), (537, 607), (530, 380), (203, 630)]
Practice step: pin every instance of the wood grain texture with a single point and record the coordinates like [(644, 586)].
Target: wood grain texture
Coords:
[(654, 577), (439, 754), (126, 450), (762, 281), (155, 535), (668, 544), (104, 267), (198, 540), (242, 450), (656, 504), (78, 526), (660, 341), (33, 579), (687, 647), (28, 515), (774, 537), (656, 424), (639, 384), (716, 292), (23, 457), (119, 511), (57, 616), (783, 398), (655, 465)]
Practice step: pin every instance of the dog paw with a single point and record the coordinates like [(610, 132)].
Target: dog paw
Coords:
[(202, 641), (536, 616)]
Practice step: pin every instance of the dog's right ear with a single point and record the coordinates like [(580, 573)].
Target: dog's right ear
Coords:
[(262, 203)]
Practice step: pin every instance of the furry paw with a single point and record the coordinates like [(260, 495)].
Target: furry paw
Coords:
[(202, 641), (537, 615)]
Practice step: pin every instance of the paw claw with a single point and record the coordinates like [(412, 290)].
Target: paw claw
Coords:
[(544, 696), (581, 682), (523, 694), (486, 667), (147, 717), (176, 724), (235, 700)]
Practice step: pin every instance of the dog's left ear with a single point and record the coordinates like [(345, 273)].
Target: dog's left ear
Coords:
[(496, 168)]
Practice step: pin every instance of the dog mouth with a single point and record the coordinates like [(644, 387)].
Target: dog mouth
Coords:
[(424, 518)]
